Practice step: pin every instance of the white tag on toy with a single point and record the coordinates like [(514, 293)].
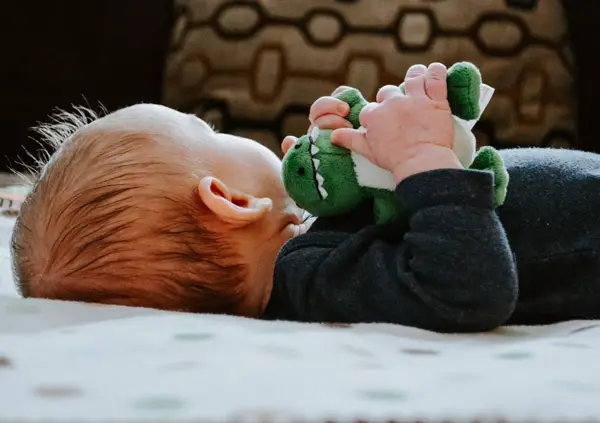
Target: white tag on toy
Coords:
[(485, 95), (314, 134)]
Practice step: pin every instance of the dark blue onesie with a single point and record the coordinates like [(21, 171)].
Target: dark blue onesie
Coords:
[(456, 264)]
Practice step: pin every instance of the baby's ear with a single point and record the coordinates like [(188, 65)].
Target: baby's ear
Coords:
[(236, 208)]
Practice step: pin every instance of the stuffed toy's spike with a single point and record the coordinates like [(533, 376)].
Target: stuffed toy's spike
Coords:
[(327, 180)]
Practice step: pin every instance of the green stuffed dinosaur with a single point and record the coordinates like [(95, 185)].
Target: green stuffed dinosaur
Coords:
[(327, 180)]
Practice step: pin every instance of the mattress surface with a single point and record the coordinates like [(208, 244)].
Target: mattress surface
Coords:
[(62, 361)]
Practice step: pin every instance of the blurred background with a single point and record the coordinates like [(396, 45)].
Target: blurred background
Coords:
[(254, 67)]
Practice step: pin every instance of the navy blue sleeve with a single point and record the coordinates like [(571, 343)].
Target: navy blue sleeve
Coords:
[(447, 268)]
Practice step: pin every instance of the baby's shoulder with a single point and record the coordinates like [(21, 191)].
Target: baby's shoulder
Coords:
[(539, 179), (553, 163)]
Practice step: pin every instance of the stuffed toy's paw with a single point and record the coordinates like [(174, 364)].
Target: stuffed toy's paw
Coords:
[(489, 159), (464, 84)]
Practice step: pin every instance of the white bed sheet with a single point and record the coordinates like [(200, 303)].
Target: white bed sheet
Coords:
[(63, 361)]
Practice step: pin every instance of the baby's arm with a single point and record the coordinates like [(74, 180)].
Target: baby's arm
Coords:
[(451, 270), (448, 269)]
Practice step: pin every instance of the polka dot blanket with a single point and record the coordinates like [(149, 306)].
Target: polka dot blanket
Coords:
[(71, 362)]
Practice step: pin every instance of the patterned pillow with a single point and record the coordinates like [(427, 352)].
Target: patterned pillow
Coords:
[(254, 68)]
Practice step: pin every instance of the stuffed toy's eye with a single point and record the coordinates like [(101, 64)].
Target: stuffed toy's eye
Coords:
[(314, 134), (301, 171)]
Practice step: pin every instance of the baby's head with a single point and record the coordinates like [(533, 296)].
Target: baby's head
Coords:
[(150, 207)]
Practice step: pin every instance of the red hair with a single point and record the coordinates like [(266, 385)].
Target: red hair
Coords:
[(107, 222)]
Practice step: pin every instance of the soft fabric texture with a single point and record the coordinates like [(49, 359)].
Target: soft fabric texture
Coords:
[(449, 265), (254, 68), (62, 361), (463, 82), (84, 363)]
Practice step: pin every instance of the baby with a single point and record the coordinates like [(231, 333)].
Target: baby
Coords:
[(150, 207)]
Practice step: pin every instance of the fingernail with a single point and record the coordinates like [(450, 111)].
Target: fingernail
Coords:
[(343, 109), (437, 64), (333, 137)]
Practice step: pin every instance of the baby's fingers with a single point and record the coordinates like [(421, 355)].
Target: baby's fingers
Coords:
[(331, 122), (352, 139), (435, 82), (328, 106), (340, 89), (287, 143)]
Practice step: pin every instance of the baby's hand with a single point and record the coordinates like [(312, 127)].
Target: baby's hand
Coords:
[(407, 133), (326, 112)]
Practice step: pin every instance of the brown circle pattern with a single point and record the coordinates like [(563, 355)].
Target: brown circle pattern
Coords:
[(258, 64)]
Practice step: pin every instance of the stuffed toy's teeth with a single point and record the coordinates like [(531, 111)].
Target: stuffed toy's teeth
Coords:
[(323, 192), (320, 181), (314, 134)]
